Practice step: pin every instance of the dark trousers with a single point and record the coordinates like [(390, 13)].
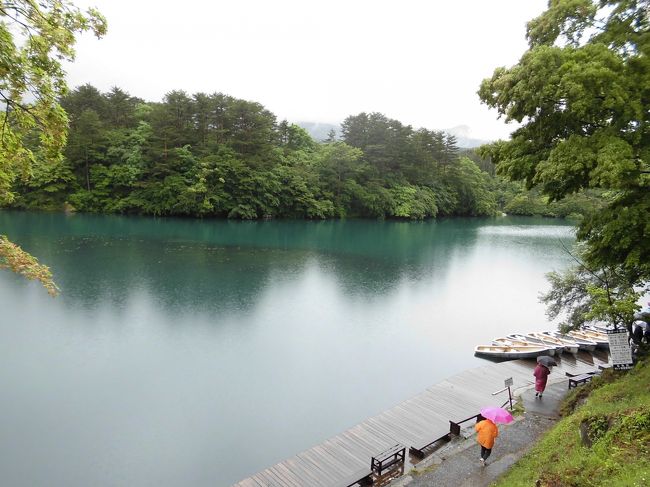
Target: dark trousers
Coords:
[(485, 452)]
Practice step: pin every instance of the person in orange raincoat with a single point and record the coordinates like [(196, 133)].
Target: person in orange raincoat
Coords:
[(487, 433)]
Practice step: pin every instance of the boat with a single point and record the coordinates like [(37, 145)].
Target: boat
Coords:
[(582, 343), (600, 328), (508, 352), (536, 342), (599, 339), (510, 341), (598, 336), (513, 342), (548, 339)]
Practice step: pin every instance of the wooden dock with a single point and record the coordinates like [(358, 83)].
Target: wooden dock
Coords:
[(345, 458)]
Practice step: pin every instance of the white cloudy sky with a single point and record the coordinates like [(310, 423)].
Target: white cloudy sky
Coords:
[(419, 61)]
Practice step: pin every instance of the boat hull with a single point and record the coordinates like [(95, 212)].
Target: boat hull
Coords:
[(509, 353)]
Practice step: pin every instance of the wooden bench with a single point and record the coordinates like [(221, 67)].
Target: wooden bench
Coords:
[(386, 459), (576, 380)]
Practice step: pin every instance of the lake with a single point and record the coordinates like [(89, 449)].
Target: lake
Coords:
[(198, 352)]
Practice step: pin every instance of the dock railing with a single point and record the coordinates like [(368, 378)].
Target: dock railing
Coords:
[(454, 426), (509, 401)]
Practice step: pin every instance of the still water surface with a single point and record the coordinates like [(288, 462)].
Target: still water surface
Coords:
[(187, 352)]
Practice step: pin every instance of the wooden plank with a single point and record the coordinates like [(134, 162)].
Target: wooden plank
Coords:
[(417, 425), (350, 462), (372, 435), (289, 477), (428, 414), (357, 451), (261, 480), (369, 443), (420, 418), (307, 472), (281, 476), (318, 468), (324, 461), (333, 460), (394, 430), (269, 478), (256, 482), (249, 482)]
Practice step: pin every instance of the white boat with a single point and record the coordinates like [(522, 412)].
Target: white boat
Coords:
[(511, 342), (548, 339), (534, 342), (509, 352), (583, 344), (601, 328), (538, 341), (599, 339)]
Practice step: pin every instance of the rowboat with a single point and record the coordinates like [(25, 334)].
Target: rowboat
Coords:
[(599, 339), (602, 328), (598, 336), (513, 342), (548, 339), (510, 352), (536, 342), (583, 344)]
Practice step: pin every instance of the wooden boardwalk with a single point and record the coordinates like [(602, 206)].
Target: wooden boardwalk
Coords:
[(339, 460)]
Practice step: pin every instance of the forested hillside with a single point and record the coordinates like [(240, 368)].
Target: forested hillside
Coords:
[(215, 155)]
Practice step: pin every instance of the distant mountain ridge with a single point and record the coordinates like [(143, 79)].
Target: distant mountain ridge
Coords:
[(320, 131), (462, 132)]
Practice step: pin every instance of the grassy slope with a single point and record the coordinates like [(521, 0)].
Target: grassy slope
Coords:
[(617, 412)]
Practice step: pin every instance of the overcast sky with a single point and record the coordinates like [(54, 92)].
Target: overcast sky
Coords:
[(420, 62)]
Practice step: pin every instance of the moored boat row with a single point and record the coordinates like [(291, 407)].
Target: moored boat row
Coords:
[(549, 343)]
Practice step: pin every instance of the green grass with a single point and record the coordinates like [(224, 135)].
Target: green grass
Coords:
[(416, 472), (615, 413), (518, 409)]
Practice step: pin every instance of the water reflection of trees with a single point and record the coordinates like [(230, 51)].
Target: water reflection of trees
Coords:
[(217, 266)]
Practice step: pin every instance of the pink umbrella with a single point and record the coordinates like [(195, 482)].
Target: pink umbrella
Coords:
[(497, 415)]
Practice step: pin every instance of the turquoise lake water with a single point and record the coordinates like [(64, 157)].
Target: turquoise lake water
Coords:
[(198, 352)]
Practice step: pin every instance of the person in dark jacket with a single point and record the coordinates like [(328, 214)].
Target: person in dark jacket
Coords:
[(541, 375)]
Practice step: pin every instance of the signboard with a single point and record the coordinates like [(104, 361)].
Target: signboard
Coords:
[(508, 382), (619, 349)]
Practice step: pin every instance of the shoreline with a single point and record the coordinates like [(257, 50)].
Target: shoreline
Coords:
[(418, 419)]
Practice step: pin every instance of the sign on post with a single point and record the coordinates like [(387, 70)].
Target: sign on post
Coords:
[(508, 382), (620, 350)]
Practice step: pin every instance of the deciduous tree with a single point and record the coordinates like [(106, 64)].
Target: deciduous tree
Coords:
[(35, 38), (582, 95)]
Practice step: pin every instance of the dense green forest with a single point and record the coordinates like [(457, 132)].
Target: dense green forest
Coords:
[(215, 155)]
